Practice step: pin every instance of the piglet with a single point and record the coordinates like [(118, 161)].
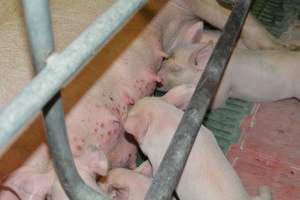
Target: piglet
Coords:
[(125, 184), (251, 75), (207, 174)]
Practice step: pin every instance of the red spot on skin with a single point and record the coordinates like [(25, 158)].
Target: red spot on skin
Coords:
[(79, 148), (75, 139), (109, 133), (124, 107), (82, 140), (96, 130), (111, 98), (142, 81), (97, 106), (102, 125)]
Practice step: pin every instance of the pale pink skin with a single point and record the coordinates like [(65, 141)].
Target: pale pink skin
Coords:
[(124, 184), (97, 119), (31, 181), (251, 75), (214, 35), (207, 174), (87, 171)]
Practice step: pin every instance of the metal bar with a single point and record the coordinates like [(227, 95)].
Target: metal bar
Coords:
[(171, 167), (40, 34), (227, 2), (73, 185), (60, 68)]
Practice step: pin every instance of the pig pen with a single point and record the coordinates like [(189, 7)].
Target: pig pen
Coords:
[(29, 141)]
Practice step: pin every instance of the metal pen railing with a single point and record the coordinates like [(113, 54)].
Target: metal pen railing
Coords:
[(42, 93), (40, 34)]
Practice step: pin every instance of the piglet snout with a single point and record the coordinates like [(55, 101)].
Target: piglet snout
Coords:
[(161, 83)]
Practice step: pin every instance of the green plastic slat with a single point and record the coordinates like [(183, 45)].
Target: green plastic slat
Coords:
[(225, 121)]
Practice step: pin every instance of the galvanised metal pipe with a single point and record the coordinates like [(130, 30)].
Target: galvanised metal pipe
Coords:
[(227, 2), (68, 176), (170, 169), (60, 68), (40, 34)]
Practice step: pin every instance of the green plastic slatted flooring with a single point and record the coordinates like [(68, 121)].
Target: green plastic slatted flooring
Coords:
[(225, 121), (274, 14)]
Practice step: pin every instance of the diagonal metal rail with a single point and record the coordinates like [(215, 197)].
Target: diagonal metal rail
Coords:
[(170, 169)]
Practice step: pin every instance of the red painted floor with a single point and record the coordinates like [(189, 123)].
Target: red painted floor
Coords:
[(269, 149)]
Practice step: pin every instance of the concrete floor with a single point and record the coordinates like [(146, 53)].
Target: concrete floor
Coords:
[(269, 150)]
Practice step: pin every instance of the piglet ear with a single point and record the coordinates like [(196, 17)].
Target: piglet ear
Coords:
[(145, 168), (187, 33), (193, 33), (199, 58)]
